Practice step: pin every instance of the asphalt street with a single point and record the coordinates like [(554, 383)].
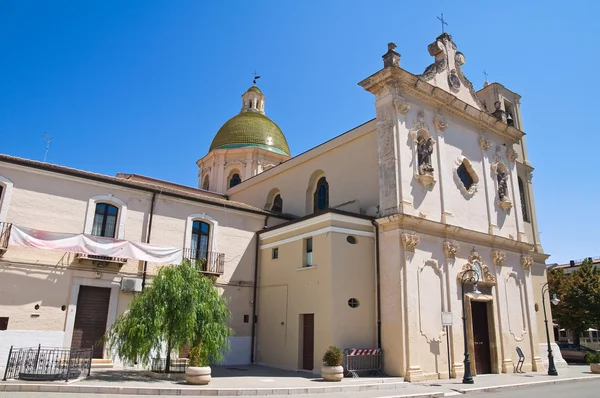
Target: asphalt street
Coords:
[(579, 389)]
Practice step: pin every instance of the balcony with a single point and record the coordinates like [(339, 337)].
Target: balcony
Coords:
[(206, 262), (100, 261), (4, 235)]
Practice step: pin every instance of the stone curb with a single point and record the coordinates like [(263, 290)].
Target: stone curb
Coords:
[(208, 391), (516, 385)]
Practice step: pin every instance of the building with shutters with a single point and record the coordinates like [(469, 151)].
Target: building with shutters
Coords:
[(359, 242)]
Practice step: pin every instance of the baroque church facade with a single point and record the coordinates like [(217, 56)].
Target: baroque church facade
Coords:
[(307, 254)]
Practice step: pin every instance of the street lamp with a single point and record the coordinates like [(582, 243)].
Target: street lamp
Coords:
[(467, 378), (551, 368)]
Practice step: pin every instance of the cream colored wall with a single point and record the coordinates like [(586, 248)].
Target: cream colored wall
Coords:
[(350, 168), (353, 276), (287, 290), (458, 140), (53, 202), (417, 287)]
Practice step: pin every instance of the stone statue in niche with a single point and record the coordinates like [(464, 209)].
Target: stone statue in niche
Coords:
[(502, 178), (424, 151)]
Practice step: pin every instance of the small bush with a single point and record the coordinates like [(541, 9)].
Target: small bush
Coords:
[(593, 358), (333, 356)]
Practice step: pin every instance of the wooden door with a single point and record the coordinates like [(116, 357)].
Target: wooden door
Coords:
[(481, 338), (308, 341), (90, 318)]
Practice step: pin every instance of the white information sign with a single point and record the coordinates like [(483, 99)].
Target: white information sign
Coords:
[(446, 319)]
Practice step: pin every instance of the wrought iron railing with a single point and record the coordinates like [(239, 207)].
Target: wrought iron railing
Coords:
[(4, 234), (106, 259), (47, 364), (177, 365), (208, 262)]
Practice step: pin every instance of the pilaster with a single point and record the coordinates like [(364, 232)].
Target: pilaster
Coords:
[(536, 361)]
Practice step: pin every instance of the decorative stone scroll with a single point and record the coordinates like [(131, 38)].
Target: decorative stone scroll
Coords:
[(498, 257), (482, 271), (526, 262), (484, 143), (451, 248), (410, 241), (439, 122), (401, 105), (511, 155)]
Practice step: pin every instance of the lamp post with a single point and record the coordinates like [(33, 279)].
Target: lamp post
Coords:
[(474, 278), (551, 368)]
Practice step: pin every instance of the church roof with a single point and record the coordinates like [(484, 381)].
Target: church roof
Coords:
[(251, 129), (255, 89)]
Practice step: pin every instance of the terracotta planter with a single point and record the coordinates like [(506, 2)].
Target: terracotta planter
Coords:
[(332, 373), (595, 367), (197, 375)]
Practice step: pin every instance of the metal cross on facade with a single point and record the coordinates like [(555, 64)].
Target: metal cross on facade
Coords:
[(443, 22)]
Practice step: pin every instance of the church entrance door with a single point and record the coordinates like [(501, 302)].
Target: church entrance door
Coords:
[(481, 337)]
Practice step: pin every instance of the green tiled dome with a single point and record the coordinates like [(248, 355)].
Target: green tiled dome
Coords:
[(251, 129)]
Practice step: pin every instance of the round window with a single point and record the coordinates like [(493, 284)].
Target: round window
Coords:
[(353, 303), (351, 239)]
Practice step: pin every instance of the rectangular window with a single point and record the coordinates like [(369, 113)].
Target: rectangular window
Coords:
[(275, 253), (246, 318), (200, 238), (105, 220), (309, 252), (3, 323)]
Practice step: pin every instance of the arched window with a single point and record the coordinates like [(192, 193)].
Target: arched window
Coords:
[(205, 184), (200, 238), (105, 220), (277, 204), (234, 180), (321, 196), (523, 200)]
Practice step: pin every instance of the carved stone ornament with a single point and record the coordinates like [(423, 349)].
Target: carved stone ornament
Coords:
[(424, 152), (453, 80), (451, 248), (498, 257), (439, 122), (526, 262), (240, 162), (401, 106), (484, 143), (410, 241), (511, 155), (480, 269), (420, 122), (502, 185)]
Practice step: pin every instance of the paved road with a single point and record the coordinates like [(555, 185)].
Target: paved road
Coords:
[(579, 389)]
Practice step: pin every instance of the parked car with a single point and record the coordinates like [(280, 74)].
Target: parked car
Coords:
[(574, 353)]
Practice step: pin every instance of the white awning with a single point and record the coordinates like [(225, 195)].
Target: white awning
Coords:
[(93, 245)]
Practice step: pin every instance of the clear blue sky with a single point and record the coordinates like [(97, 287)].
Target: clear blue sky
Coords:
[(143, 86)]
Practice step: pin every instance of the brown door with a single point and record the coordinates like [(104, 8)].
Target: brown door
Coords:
[(481, 338), (90, 319), (308, 341)]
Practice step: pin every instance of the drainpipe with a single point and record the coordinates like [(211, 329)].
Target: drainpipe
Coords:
[(148, 237), (254, 292), (377, 282)]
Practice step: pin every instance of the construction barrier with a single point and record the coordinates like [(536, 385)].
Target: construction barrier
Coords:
[(363, 360)]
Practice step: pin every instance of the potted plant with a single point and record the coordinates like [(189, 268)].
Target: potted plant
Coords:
[(197, 371), (332, 369), (594, 360)]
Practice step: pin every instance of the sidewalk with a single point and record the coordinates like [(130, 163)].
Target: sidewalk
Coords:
[(258, 380)]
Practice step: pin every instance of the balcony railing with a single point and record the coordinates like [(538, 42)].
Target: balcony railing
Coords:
[(4, 235), (103, 259), (206, 262)]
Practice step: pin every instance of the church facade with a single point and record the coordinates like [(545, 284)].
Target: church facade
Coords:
[(436, 215)]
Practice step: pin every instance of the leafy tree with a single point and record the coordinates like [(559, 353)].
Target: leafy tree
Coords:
[(579, 294), (181, 307)]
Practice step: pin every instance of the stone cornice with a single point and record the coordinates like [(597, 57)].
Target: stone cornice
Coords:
[(424, 226), (411, 85)]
